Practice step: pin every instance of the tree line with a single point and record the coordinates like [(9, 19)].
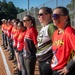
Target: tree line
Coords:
[(8, 10)]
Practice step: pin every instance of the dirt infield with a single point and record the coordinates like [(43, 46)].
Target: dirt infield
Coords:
[(2, 64), (2, 68), (10, 63)]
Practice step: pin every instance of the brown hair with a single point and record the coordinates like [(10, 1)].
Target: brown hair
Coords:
[(46, 10), (65, 12), (32, 20)]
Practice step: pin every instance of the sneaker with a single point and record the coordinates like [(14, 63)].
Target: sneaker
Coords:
[(2, 45), (15, 66), (5, 48), (11, 58), (15, 72), (18, 72)]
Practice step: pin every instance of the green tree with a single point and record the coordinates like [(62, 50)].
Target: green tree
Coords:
[(12, 10), (19, 10), (4, 1), (3, 10), (8, 10), (71, 6)]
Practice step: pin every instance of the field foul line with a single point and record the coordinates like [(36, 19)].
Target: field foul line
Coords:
[(5, 63)]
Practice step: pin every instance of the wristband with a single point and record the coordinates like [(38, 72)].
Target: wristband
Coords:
[(70, 65)]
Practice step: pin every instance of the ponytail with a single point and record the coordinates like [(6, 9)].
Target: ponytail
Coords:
[(33, 22)]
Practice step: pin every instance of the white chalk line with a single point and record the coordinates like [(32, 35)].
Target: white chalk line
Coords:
[(5, 63)]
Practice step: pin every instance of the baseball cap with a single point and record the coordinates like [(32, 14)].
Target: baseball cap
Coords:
[(3, 20)]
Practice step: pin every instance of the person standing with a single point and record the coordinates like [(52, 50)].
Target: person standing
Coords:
[(44, 53), (3, 25), (14, 38), (30, 42), (5, 34), (63, 42), (9, 28), (20, 46), (13, 30)]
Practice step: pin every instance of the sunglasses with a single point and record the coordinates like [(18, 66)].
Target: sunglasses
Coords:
[(41, 14), (25, 20), (57, 16)]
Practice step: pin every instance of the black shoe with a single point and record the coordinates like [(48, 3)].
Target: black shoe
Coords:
[(5, 48), (14, 66), (8, 49), (15, 72), (11, 58), (14, 61), (19, 73), (10, 54), (2, 45)]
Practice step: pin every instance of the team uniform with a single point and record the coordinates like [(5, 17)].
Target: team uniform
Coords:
[(44, 52), (3, 34), (20, 46), (3, 27), (15, 36), (9, 28), (20, 41), (62, 46), (30, 40), (11, 41)]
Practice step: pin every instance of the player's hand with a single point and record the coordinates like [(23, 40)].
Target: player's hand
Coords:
[(63, 71)]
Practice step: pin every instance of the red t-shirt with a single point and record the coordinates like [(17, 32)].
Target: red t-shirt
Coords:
[(13, 32), (20, 41), (31, 33), (15, 36), (62, 46), (9, 30), (3, 27)]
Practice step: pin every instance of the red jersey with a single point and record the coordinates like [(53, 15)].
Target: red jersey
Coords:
[(20, 41), (30, 40), (31, 33), (13, 32), (9, 31), (3, 27), (62, 46), (15, 36)]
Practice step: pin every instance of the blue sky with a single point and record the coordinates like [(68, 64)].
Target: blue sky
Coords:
[(36, 3)]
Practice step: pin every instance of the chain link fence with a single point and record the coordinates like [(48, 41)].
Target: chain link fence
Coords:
[(52, 4)]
